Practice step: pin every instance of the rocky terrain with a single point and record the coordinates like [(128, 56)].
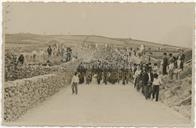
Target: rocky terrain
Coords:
[(177, 94)]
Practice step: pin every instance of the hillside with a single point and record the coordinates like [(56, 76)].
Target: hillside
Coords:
[(25, 38)]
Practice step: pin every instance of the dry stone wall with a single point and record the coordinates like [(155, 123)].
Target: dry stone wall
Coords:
[(177, 94), (21, 95)]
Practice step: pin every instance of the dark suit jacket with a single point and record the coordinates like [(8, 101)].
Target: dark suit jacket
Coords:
[(152, 77), (145, 78), (165, 61)]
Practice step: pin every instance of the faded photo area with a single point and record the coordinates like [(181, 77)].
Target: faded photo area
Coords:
[(98, 64)]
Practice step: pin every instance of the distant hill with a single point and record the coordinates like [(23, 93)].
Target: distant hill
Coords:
[(27, 38)]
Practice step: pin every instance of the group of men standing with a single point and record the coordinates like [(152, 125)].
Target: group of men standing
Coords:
[(147, 77), (39, 57), (147, 80), (56, 51), (173, 64)]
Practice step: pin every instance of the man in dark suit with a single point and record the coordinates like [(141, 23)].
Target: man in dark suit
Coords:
[(182, 58), (21, 59), (99, 74), (49, 50), (81, 71), (165, 64), (145, 79)]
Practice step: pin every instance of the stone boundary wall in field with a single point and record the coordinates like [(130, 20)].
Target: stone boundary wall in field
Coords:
[(21, 95), (28, 71)]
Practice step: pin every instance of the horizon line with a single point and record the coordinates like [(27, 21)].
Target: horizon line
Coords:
[(116, 38)]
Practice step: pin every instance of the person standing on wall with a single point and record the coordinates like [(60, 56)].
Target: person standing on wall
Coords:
[(171, 66), (182, 58), (178, 68), (74, 83), (21, 59), (49, 50)]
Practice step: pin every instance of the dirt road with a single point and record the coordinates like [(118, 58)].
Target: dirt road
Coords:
[(110, 105)]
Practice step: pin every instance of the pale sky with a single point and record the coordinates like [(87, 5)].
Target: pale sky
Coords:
[(160, 23)]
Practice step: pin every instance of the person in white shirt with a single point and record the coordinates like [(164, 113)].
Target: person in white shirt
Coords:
[(136, 75), (156, 83), (178, 69), (150, 81), (74, 83), (171, 70)]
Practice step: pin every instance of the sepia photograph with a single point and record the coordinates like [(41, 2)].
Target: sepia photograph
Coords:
[(98, 64)]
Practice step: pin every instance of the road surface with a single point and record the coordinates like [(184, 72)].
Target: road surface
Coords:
[(105, 105)]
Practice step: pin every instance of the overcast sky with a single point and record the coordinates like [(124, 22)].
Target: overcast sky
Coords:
[(161, 23)]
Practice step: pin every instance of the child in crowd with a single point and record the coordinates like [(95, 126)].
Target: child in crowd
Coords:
[(156, 84)]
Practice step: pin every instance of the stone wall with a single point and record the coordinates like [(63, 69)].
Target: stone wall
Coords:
[(13, 72), (21, 95), (177, 94)]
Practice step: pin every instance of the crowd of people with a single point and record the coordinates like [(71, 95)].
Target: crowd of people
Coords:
[(123, 66), (128, 66)]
